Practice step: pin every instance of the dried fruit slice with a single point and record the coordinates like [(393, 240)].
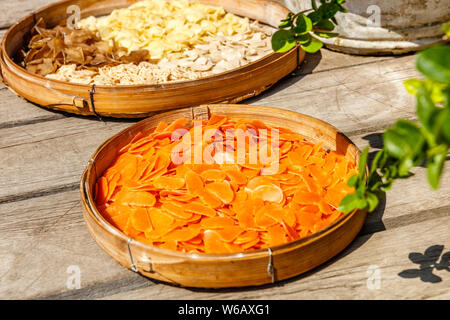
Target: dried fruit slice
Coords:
[(221, 190), (229, 234), (259, 181), (137, 199), (168, 183), (183, 234), (198, 208), (307, 219), (276, 235), (251, 244), (112, 185), (217, 222), (119, 221), (101, 190), (269, 193), (214, 243), (161, 221), (140, 219), (210, 200), (247, 236), (194, 183), (176, 211), (236, 176), (305, 197), (213, 175), (169, 245), (262, 219)]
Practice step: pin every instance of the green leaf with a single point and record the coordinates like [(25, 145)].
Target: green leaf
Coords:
[(303, 38), (361, 190), (362, 163), (372, 201), (326, 35), (283, 41), (405, 165), (329, 10), (412, 86), (387, 185), (312, 46), (435, 164), (349, 203), (395, 145), (353, 181), (376, 162), (434, 63), (315, 17), (411, 134), (446, 125), (436, 90), (326, 25), (313, 5), (425, 107), (303, 24), (342, 9), (285, 24), (445, 27), (362, 203)]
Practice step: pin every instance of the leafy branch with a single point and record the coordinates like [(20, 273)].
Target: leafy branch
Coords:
[(306, 27), (410, 143)]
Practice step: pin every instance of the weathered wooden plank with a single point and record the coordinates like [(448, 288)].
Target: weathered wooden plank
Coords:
[(48, 155), (46, 235), (326, 60), (12, 11), (368, 269), (15, 111), (40, 239), (363, 97)]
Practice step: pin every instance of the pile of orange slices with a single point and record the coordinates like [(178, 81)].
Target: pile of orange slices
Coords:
[(225, 203)]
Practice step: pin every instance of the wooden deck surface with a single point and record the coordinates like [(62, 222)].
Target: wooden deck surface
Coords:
[(43, 153)]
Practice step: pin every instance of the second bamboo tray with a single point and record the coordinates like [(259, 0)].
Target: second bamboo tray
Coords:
[(142, 100), (222, 270)]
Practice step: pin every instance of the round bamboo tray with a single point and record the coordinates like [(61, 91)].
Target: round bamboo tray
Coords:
[(224, 270), (135, 101)]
